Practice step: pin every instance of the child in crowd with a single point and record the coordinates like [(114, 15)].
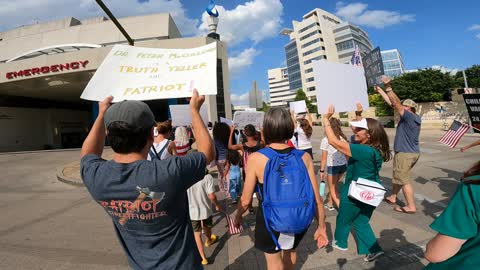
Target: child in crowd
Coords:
[(200, 199), (336, 164), (232, 169)]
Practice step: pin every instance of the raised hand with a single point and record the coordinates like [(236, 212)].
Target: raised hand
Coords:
[(330, 111), (104, 105), (386, 80), (359, 107), (196, 101)]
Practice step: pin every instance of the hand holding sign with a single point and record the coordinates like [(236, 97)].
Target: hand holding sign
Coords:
[(386, 80), (196, 101)]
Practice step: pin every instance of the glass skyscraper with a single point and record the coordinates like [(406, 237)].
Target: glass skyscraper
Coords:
[(393, 63)]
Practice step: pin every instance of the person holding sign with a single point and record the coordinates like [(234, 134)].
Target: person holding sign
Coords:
[(406, 146), (304, 130), (146, 200), (162, 147), (365, 161)]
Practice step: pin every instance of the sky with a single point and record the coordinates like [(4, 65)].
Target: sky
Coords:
[(426, 32)]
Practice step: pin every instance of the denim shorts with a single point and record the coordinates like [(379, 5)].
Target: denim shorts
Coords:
[(334, 170)]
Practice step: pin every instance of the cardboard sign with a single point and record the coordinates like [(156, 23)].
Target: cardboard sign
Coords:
[(472, 101), (181, 115), (241, 119), (341, 85), (226, 121), (136, 73), (373, 65), (298, 106)]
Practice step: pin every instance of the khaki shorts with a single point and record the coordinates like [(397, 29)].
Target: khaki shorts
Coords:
[(197, 224), (402, 165)]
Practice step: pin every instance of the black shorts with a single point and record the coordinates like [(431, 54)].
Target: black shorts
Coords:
[(263, 239), (197, 224)]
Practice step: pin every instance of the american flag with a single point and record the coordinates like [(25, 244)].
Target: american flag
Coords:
[(232, 229), (356, 58), (454, 134)]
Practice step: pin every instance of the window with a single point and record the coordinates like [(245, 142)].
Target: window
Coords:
[(310, 79), (313, 50), (312, 42), (310, 34), (311, 88), (345, 45), (309, 70), (308, 27), (391, 64), (341, 29), (389, 56), (315, 58)]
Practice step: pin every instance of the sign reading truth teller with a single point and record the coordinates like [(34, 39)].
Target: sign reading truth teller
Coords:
[(136, 73), (472, 101)]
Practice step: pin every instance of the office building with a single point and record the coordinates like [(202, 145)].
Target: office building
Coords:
[(319, 36), (42, 109), (392, 63), (347, 36), (279, 87), (255, 97)]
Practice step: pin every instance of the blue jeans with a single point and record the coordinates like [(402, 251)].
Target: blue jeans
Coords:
[(234, 187)]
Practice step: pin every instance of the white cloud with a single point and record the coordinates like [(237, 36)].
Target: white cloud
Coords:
[(256, 21), (474, 27), (46, 10), (239, 100), (445, 70), (241, 61), (357, 13)]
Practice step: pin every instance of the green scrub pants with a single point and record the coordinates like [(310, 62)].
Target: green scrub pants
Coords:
[(352, 212)]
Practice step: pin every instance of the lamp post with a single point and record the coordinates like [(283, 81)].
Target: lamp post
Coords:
[(115, 21)]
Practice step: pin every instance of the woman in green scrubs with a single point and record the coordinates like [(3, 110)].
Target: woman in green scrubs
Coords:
[(365, 161), (457, 244)]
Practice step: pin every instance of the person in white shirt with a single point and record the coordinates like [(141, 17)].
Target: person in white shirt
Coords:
[(162, 147), (303, 129), (336, 164)]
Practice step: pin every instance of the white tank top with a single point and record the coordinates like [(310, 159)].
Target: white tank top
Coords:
[(303, 141), (159, 146)]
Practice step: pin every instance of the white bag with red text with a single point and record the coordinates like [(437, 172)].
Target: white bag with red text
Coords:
[(366, 191)]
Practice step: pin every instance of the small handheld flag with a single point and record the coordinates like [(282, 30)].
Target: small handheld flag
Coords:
[(454, 134)]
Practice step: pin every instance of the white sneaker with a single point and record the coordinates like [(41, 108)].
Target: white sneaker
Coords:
[(334, 245)]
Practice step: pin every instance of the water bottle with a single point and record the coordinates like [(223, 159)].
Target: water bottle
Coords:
[(322, 189)]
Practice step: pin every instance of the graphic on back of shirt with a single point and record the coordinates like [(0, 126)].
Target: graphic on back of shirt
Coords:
[(144, 208)]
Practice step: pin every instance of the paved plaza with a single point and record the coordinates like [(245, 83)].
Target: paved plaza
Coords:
[(49, 224)]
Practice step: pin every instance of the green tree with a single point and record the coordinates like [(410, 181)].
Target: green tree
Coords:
[(302, 96), (424, 85), (383, 109), (265, 107), (473, 77)]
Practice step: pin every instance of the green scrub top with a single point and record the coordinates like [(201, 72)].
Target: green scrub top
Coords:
[(365, 162), (461, 220)]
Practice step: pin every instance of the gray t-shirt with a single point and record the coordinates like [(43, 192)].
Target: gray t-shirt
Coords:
[(158, 234), (198, 201), (408, 131)]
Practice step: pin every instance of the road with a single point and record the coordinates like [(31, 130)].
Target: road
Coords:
[(48, 224)]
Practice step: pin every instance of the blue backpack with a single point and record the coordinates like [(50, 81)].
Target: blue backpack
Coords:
[(288, 200)]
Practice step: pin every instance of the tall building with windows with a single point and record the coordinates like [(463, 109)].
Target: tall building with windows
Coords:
[(347, 36), (393, 63), (320, 35), (279, 87)]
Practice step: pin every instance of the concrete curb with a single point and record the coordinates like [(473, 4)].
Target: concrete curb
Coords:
[(68, 180)]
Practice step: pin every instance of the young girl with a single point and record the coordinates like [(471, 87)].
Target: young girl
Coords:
[(162, 147), (336, 164), (232, 169), (304, 130)]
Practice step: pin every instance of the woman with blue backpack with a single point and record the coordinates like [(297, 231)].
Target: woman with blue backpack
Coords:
[(289, 194), (364, 164)]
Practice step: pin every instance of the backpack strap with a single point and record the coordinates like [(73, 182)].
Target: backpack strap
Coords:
[(163, 149), (153, 154)]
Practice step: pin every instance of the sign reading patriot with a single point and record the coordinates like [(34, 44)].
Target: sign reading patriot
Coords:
[(136, 73), (373, 65), (472, 101)]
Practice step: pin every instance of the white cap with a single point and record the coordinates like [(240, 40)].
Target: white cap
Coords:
[(360, 124)]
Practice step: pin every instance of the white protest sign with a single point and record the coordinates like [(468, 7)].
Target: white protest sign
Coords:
[(226, 121), (181, 115), (136, 73), (250, 109), (241, 119), (298, 106), (339, 84)]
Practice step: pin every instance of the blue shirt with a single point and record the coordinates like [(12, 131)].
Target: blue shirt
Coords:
[(408, 131), (221, 150), (157, 234), (234, 171)]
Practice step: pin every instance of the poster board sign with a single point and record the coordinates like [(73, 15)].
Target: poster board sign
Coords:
[(339, 84), (250, 109), (373, 65), (136, 73), (472, 101), (226, 121), (181, 115), (241, 119), (298, 106)]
